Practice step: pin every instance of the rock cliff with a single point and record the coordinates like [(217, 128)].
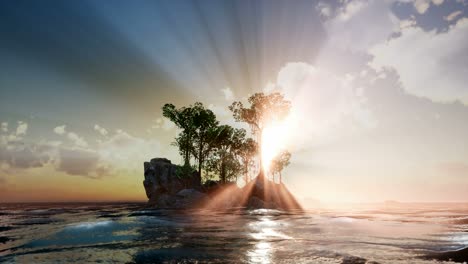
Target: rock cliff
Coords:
[(168, 186)]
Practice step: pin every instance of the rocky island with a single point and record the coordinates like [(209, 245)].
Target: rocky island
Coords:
[(166, 187), (226, 155)]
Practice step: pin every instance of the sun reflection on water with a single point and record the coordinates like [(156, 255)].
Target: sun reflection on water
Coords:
[(265, 231)]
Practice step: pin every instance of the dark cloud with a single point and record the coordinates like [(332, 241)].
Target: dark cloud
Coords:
[(19, 155), (78, 162)]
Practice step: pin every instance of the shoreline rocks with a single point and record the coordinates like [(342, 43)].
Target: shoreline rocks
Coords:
[(169, 186)]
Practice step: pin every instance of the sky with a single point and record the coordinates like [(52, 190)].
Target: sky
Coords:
[(378, 89)]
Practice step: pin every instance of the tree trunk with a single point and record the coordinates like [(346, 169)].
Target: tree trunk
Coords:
[(262, 171), (223, 172), (187, 158), (200, 158), (280, 180)]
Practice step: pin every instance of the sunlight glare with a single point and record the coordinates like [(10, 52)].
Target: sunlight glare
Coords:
[(273, 141)]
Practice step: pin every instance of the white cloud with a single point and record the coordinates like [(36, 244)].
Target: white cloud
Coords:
[(351, 9), (322, 102), (430, 64), (452, 16), (22, 128), (324, 9), (437, 2), (119, 152), (421, 5), (126, 152), (60, 130), (407, 23), (345, 32), (228, 94), (77, 140), (4, 126), (100, 129)]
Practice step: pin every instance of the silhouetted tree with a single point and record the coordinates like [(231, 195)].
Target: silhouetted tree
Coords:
[(183, 119), (224, 160), (205, 126), (279, 163), (247, 153), (197, 124), (264, 109)]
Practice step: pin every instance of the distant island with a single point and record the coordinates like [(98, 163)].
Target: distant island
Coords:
[(223, 156)]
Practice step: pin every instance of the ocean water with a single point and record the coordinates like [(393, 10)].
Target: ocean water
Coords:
[(131, 233)]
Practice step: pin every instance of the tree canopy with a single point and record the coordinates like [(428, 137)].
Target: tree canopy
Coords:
[(264, 110), (222, 150)]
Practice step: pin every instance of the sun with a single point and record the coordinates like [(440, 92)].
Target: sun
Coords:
[(274, 139)]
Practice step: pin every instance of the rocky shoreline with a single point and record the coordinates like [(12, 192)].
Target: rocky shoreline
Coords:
[(167, 186)]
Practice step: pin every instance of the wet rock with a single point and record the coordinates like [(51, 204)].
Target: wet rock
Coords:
[(164, 201), (170, 186), (161, 177), (164, 182), (191, 194)]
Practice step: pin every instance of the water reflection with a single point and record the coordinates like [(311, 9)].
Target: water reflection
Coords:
[(266, 231), (261, 253), (131, 234)]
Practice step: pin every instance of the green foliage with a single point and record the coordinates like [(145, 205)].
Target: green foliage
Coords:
[(183, 119), (184, 171), (205, 124), (197, 124), (224, 161), (221, 149)]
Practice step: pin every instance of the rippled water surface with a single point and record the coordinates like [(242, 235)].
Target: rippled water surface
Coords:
[(130, 233)]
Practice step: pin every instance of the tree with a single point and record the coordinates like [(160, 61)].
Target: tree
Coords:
[(197, 124), (224, 160), (205, 125), (247, 152), (264, 109), (183, 119), (280, 162)]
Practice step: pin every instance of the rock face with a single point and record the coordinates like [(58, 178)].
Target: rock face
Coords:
[(165, 188)]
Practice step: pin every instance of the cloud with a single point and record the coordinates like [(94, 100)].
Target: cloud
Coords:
[(322, 102), (126, 152), (77, 140), (452, 16), (22, 128), (347, 45), (119, 152), (324, 9), (422, 5), (60, 130), (20, 155), (350, 9), (79, 162), (430, 64), (4, 127), (101, 130), (228, 94)]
